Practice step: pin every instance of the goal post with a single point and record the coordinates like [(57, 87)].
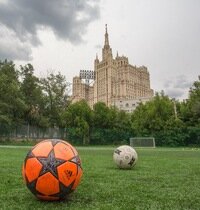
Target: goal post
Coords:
[(142, 142)]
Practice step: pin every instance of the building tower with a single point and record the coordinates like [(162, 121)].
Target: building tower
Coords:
[(103, 71), (115, 80)]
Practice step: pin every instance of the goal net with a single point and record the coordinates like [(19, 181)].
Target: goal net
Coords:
[(142, 142)]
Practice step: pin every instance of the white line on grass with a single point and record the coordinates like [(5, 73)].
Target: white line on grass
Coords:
[(14, 146), (112, 148)]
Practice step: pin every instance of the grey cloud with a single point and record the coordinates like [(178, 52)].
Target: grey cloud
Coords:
[(12, 48), (176, 87), (167, 83), (68, 19), (175, 93), (182, 82), (19, 52), (98, 46)]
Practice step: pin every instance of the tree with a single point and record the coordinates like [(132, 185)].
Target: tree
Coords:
[(78, 117), (190, 114), (33, 96), (55, 89), (123, 121), (139, 121), (190, 108), (12, 105), (110, 125), (158, 118), (101, 115), (194, 102)]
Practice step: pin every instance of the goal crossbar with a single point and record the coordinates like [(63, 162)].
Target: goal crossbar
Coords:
[(142, 142)]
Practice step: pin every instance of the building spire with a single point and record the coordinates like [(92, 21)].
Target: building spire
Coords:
[(106, 37), (106, 51)]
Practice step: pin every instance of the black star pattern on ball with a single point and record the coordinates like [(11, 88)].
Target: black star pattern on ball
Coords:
[(117, 151), (32, 188), (55, 141), (29, 155), (132, 161), (76, 160), (64, 191), (50, 164)]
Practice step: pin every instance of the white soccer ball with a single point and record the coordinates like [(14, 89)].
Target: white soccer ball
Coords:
[(125, 157)]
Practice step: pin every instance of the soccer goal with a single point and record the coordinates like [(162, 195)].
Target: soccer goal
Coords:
[(142, 142)]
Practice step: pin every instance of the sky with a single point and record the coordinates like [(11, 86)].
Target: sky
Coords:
[(65, 36)]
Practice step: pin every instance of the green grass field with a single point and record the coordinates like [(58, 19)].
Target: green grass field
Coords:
[(162, 179)]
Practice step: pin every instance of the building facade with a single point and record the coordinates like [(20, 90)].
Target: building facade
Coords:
[(130, 104), (115, 80)]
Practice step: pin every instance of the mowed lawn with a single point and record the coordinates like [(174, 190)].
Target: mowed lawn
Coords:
[(162, 179)]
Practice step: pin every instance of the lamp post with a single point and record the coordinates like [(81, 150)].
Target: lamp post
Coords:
[(174, 106)]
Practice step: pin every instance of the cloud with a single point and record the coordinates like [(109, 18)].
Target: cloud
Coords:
[(182, 82), (11, 47), (68, 19), (98, 46), (175, 93), (176, 87)]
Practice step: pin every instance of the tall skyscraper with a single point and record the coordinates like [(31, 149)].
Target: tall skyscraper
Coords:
[(114, 80)]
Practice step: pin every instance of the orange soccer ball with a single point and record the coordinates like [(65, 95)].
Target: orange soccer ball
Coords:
[(52, 169)]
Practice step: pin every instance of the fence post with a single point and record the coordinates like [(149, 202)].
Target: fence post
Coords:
[(28, 131)]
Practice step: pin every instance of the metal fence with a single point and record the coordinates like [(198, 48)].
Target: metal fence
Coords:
[(32, 132)]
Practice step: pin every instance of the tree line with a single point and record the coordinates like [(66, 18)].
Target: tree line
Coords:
[(45, 102)]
